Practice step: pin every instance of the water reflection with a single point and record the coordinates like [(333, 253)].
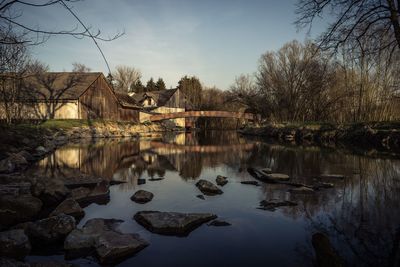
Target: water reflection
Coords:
[(360, 215)]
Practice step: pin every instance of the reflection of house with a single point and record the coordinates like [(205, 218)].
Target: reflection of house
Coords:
[(72, 95), (164, 101)]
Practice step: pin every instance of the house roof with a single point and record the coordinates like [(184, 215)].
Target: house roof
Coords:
[(161, 97), (126, 100), (60, 85)]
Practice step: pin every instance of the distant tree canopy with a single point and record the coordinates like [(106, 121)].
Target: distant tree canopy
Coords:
[(160, 84), (150, 85), (192, 89)]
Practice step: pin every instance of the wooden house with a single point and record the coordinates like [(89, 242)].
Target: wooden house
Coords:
[(163, 101), (71, 95)]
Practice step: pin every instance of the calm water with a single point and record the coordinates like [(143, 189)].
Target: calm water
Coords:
[(360, 215)]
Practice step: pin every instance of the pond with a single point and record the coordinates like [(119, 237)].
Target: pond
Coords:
[(359, 214)]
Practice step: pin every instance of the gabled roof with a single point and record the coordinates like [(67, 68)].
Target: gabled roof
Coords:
[(60, 85), (126, 101), (161, 97)]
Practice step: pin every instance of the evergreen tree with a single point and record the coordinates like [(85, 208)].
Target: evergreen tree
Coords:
[(151, 86), (160, 84), (138, 87)]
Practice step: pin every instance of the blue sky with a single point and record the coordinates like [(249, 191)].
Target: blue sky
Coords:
[(213, 40)]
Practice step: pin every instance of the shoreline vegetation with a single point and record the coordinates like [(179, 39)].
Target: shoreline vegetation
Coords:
[(378, 136)]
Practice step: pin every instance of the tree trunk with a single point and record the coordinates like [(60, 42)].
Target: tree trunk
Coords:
[(394, 18)]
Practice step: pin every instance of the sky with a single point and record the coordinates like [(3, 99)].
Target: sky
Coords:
[(215, 41)]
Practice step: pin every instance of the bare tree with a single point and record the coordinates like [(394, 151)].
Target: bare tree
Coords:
[(79, 67), (125, 78), (377, 21)]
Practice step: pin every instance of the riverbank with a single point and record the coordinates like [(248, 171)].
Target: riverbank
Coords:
[(383, 136), (24, 144)]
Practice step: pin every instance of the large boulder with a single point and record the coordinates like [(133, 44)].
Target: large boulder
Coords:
[(49, 231), (101, 237), (50, 190), (142, 196), (221, 180), (69, 207), (208, 188), (14, 244), (172, 223), (18, 208)]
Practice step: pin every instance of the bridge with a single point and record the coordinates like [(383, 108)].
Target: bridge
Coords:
[(208, 113)]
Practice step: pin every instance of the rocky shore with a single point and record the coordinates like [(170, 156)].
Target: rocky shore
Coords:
[(380, 136), (22, 145)]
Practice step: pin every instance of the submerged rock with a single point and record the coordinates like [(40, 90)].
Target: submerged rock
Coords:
[(172, 223), (266, 170), (142, 196), (141, 181), (250, 182), (326, 256), (156, 179), (221, 180), (302, 190), (14, 244), (100, 237), (208, 188), (271, 205), (69, 207), (201, 197), (278, 176), (219, 223), (51, 230), (322, 185)]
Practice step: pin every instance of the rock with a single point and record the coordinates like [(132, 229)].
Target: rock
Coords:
[(221, 180), (85, 196), (142, 196), (250, 182), (50, 190), (322, 185), (6, 262), (208, 188), (14, 244), (15, 189), (156, 179), (51, 230), (82, 182), (116, 182), (69, 207), (40, 150), (6, 166), (278, 176), (28, 156), (172, 223), (201, 197), (141, 181), (112, 246), (219, 223), (266, 171), (332, 176), (302, 190), (100, 236), (326, 256), (18, 208), (271, 205)]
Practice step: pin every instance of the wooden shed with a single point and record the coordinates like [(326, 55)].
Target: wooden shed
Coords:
[(72, 95)]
